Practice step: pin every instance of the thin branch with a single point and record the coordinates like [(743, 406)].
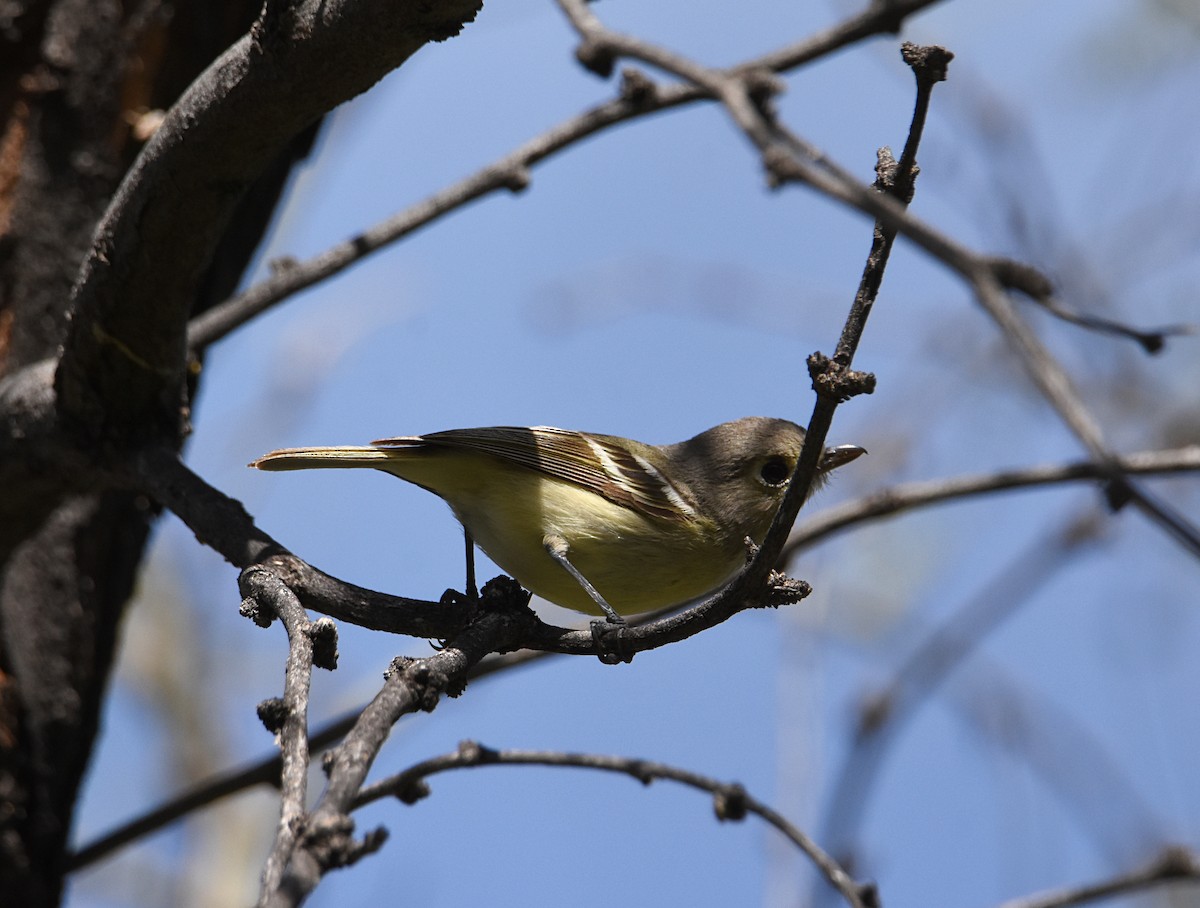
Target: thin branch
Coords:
[(221, 523), (1056, 386), (730, 800), (639, 98), (1176, 864), (262, 772), (411, 685), (914, 495), (883, 715), (1033, 284), (738, 94), (309, 644), (834, 380)]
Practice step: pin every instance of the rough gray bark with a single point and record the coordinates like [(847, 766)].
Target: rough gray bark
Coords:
[(76, 73), (104, 309)]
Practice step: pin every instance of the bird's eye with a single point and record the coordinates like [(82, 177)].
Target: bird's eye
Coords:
[(775, 471)]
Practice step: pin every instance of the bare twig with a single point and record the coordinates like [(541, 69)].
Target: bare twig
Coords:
[(411, 685), (512, 172), (263, 772), (1033, 284), (309, 644), (1055, 385), (913, 495), (742, 95), (730, 801), (1176, 864), (884, 713), (221, 523), (745, 95), (834, 380)]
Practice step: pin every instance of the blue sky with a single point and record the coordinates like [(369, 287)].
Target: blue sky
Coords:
[(648, 284)]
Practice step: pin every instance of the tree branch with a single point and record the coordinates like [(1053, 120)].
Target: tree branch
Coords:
[(222, 523), (730, 800), (123, 364), (745, 98), (309, 644), (914, 495), (1176, 864), (265, 771), (412, 684), (639, 97), (882, 716)]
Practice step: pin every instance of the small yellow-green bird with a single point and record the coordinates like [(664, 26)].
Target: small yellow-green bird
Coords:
[(598, 523)]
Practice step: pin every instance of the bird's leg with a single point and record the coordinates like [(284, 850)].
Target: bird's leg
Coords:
[(472, 589), (609, 651), (557, 548)]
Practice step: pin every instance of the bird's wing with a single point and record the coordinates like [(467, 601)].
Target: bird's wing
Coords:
[(599, 463)]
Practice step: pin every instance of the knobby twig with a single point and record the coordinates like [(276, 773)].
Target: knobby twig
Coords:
[(262, 772), (745, 98), (221, 523), (309, 644), (639, 98), (833, 379), (327, 841), (730, 801), (1033, 284)]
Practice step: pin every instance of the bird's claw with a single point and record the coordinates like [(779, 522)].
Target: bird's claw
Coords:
[(611, 641)]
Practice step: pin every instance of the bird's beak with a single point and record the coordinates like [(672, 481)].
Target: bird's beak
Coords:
[(839, 456)]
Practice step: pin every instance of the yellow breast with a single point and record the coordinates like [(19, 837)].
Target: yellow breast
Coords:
[(637, 563)]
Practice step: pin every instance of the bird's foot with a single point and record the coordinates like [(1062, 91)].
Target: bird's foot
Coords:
[(611, 640)]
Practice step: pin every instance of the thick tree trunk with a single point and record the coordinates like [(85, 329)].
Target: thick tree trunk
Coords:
[(98, 278), (79, 81)]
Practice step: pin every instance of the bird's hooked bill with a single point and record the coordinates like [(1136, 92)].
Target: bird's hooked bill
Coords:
[(840, 455)]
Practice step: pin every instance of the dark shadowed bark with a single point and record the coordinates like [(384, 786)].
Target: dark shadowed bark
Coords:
[(80, 82)]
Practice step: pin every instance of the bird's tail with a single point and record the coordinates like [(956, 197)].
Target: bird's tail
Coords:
[(316, 458)]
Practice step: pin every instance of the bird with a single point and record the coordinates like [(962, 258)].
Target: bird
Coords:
[(595, 523)]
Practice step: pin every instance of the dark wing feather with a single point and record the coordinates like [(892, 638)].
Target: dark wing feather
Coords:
[(599, 463)]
